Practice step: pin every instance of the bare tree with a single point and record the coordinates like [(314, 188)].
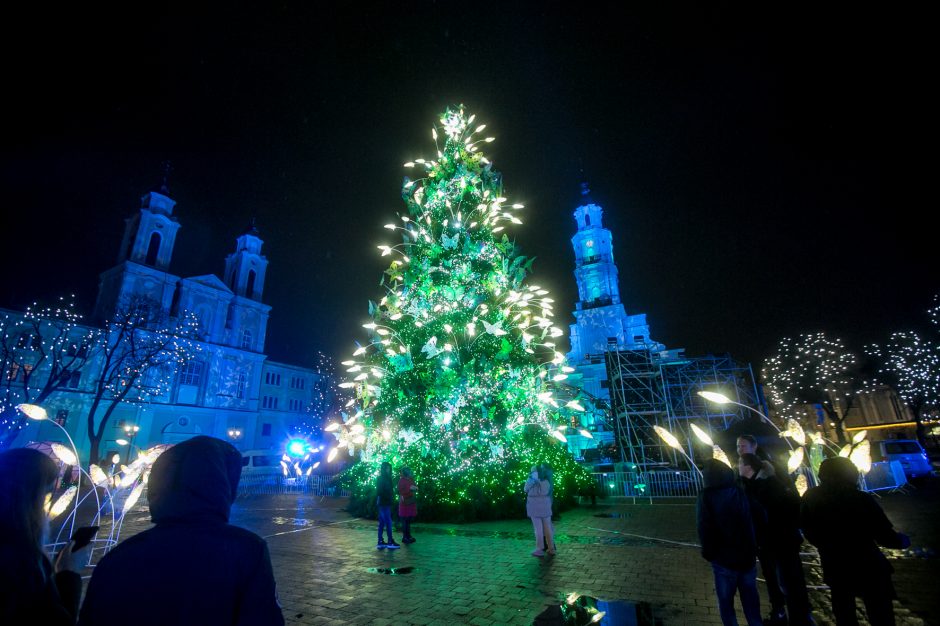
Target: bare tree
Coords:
[(813, 369), (42, 351), (911, 364), (138, 353)]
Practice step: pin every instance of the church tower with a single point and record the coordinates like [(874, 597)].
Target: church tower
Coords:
[(600, 318), (245, 268), (245, 271), (144, 257)]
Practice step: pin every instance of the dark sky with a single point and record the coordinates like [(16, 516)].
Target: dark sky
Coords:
[(763, 173)]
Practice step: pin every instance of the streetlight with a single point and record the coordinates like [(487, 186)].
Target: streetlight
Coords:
[(131, 432), (234, 434)]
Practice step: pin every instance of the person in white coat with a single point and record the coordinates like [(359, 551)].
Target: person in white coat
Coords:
[(538, 507)]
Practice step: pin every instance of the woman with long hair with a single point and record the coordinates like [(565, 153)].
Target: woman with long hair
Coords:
[(538, 505), (32, 589)]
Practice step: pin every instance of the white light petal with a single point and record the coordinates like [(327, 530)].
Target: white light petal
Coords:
[(64, 453)]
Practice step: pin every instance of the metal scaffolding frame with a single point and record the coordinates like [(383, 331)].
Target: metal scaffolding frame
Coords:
[(649, 388)]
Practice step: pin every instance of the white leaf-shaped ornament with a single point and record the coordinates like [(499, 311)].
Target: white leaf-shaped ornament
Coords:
[(494, 329), (430, 348)]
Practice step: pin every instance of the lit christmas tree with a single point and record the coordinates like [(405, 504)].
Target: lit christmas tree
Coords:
[(457, 380)]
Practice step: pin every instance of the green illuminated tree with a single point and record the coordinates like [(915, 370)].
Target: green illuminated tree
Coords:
[(457, 378)]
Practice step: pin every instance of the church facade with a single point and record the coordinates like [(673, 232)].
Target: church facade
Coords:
[(230, 390)]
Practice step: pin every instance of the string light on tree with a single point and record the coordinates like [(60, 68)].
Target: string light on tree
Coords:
[(457, 377), (813, 369)]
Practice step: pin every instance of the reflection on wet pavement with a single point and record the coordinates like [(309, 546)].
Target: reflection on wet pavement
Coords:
[(391, 571), (582, 610), (292, 521), (562, 538)]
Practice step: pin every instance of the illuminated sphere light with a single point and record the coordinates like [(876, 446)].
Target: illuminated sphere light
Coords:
[(457, 376), (296, 447)]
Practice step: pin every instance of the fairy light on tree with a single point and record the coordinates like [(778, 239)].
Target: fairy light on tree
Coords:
[(456, 379), (326, 399), (910, 363), (138, 354), (813, 369), (42, 351)]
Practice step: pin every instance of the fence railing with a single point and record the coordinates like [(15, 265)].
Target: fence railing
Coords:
[(883, 475), (667, 483), (273, 484)]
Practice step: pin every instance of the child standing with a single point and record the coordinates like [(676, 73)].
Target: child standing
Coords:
[(538, 507), (384, 499), (407, 503)]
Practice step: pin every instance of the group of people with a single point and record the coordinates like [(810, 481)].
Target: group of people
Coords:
[(192, 567), (757, 515), (407, 505)]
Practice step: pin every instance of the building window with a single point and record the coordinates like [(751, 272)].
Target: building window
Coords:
[(74, 379), (61, 416), (191, 374), (246, 339), (268, 402), (241, 381), (250, 289), (296, 405), (77, 350), (153, 249), (297, 383), (265, 430), (271, 378)]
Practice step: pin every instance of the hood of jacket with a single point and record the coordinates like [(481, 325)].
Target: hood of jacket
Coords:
[(195, 481), (717, 475)]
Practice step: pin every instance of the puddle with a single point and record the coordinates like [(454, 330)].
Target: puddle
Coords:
[(291, 521), (390, 571), (578, 610)]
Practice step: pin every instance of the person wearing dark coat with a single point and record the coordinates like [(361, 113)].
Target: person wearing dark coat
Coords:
[(192, 567), (779, 542), (33, 590), (847, 526), (726, 532), (383, 500)]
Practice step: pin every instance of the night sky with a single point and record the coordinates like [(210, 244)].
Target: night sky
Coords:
[(762, 173)]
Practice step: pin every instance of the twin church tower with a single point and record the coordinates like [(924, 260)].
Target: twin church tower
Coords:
[(230, 310)]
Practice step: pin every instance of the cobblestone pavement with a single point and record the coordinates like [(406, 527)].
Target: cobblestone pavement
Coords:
[(329, 571)]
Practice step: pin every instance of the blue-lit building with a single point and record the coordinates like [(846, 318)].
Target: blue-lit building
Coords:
[(231, 390), (601, 321)]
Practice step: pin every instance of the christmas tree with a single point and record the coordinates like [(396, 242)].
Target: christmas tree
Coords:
[(459, 379)]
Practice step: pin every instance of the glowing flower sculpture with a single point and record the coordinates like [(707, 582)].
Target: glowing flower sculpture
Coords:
[(457, 377)]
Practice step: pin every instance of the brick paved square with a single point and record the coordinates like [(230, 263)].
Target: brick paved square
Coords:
[(327, 565)]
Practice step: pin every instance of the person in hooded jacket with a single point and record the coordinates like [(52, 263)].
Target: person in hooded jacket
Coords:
[(33, 590), (778, 542), (538, 506), (847, 525), (192, 567), (726, 532)]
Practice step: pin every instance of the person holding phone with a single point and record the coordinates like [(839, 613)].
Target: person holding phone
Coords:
[(33, 589)]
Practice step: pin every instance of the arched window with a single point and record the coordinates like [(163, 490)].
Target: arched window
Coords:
[(250, 289), (246, 339), (153, 249), (587, 219)]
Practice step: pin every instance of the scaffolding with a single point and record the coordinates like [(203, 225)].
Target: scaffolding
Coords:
[(650, 388)]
